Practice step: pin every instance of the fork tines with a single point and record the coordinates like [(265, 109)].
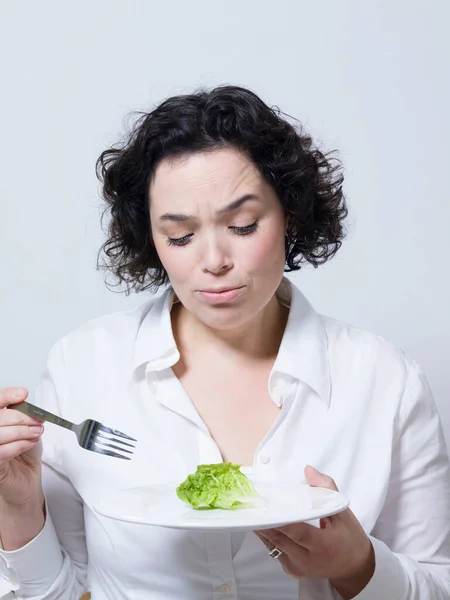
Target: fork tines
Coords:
[(117, 433), (111, 438)]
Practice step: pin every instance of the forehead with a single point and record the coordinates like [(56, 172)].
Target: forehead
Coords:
[(217, 175)]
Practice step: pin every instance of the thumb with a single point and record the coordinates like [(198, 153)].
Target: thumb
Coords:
[(317, 479)]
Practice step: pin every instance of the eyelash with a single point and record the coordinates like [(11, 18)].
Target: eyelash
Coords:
[(182, 241)]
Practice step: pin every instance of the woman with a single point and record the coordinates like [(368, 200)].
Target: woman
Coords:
[(217, 194)]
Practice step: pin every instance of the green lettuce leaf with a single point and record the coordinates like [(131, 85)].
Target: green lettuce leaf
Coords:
[(221, 485)]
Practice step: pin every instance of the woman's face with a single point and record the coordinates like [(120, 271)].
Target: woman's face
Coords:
[(219, 230)]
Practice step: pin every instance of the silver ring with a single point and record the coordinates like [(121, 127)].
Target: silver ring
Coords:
[(275, 553)]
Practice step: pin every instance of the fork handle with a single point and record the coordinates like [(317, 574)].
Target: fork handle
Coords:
[(35, 411)]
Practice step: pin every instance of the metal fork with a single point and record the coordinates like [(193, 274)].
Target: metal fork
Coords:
[(91, 435)]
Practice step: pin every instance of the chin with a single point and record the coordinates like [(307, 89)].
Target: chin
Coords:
[(224, 317)]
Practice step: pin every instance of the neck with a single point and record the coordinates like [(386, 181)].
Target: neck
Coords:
[(258, 339)]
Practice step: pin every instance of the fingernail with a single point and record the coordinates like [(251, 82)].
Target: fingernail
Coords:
[(36, 429), (19, 394)]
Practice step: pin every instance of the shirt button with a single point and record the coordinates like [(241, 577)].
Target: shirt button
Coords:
[(264, 459), (225, 588)]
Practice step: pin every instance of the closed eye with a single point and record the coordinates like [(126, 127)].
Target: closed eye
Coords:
[(182, 241), (245, 230)]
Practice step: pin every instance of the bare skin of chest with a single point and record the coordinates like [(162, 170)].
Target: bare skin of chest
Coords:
[(234, 404)]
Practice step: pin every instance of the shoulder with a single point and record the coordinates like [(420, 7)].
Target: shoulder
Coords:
[(357, 349), (364, 365), (110, 333), (355, 338)]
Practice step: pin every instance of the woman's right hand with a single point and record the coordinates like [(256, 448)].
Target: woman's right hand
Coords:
[(20, 451)]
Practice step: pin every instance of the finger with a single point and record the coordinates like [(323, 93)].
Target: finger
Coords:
[(21, 433), (270, 544), (317, 479), (272, 538), (10, 451), (10, 417), (293, 555), (12, 395), (265, 540), (302, 534)]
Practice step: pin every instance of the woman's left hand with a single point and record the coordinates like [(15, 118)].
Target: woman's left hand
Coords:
[(339, 551)]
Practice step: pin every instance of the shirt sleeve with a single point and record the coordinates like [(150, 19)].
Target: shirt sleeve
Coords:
[(53, 565), (411, 538)]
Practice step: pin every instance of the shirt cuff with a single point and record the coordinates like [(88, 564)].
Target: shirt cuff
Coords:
[(389, 579), (34, 567)]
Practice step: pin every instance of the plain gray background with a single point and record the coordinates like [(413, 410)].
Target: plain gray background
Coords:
[(368, 78)]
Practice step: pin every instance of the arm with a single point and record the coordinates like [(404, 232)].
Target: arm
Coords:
[(411, 538), (20, 524), (53, 565)]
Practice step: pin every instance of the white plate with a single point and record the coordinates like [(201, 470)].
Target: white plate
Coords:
[(281, 504)]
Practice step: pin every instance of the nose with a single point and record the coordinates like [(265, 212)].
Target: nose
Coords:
[(216, 259)]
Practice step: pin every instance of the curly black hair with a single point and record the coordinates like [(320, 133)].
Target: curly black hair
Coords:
[(308, 183)]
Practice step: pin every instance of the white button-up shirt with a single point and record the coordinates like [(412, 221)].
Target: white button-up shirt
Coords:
[(353, 406)]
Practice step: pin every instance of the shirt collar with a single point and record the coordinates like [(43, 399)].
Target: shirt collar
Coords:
[(303, 352), (155, 345)]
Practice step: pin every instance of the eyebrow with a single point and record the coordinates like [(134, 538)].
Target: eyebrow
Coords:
[(179, 217)]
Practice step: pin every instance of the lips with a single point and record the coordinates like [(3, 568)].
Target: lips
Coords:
[(221, 295), (220, 290)]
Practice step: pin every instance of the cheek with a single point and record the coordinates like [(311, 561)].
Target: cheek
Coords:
[(267, 252), (174, 261)]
